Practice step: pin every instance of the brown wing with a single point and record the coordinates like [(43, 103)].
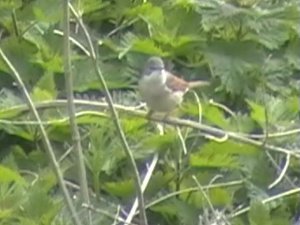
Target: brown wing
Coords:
[(176, 84)]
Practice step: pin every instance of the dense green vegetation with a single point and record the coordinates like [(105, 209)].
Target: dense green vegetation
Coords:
[(233, 159)]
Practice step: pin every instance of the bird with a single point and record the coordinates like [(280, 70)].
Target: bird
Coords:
[(160, 89)]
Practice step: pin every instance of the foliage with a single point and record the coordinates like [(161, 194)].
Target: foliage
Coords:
[(248, 49)]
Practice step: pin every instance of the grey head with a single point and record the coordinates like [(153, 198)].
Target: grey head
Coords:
[(154, 63)]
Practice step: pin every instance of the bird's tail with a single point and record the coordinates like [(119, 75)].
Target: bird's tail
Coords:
[(200, 83)]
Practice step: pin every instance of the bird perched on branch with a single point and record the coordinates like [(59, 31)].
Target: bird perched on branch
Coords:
[(160, 89)]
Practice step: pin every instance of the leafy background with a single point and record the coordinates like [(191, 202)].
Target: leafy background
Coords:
[(247, 49)]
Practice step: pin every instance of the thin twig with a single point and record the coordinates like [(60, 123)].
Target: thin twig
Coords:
[(74, 41), (45, 140), (139, 113), (193, 189), (120, 132), (267, 200), (282, 173), (144, 186), (71, 111)]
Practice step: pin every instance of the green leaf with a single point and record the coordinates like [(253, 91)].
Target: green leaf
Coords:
[(40, 95), (163, 142), (46, 12), (281, 216), (214, 161), (7, 175), (229, 147), (231, 63), (292, 53), (187, 214), (21, 53), (259, 214), (221, 155), (6, 9), (121, 189), (257, 113), (131, 42), (85, 77), (220, 197), (32, 207), (158, 181), (280, 111), (215, 116), (153, 15)]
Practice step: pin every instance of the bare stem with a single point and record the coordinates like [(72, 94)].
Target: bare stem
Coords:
[(71, 110), (45, 139), (138, 183)]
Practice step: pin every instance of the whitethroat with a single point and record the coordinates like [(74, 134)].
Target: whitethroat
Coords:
[(160, 89)]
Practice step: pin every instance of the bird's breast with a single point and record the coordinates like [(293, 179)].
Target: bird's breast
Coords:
[(157, 95), (152, 85)]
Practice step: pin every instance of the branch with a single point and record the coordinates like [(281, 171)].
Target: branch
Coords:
[(45, 139), (71, 111), (138, 183), (170, 120)]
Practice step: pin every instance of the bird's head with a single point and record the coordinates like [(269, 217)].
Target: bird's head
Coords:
[(153, 64)]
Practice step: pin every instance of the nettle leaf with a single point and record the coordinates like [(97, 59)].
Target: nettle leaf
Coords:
[(44, 89), (224, 19), (103, 155), (158, 181), (223, 155), (32, 207), (11, 197), (229, 147), (85, 77), (161, 142), (280, 111), (8, 175), (259, 214), (257, 112), (131, 42), (166, 208), (220, 196), (46, 12), (238, 122), (265, 35), (8, 98), (41, 95), (174, 34), (151, 14), (187, 213), (18, 131), (233, 62), (276, 20), (121, 189), (90, 6), (215, 116), (242, 123), (292, 53), (6, 7), (21, 53), (147, 46), (259, 172), (214, 161), (281, 216), (47, 83)]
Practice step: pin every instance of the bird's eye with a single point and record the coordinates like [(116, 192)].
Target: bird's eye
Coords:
[(156, 68)]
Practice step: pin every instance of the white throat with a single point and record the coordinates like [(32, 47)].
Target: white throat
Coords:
[(158, 77)]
